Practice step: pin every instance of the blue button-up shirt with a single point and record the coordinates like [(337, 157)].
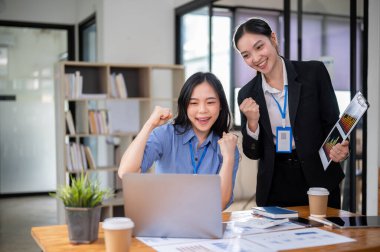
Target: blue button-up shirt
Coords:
[(170, 150)]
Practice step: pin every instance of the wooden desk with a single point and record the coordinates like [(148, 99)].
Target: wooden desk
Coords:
[(55, 238)]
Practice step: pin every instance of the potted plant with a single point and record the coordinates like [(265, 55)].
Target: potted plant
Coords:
[(82, 200)]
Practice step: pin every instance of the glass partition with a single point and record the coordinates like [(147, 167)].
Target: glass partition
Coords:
[(27, 129)]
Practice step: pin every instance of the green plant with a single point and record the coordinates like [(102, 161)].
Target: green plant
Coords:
[(83, 192)]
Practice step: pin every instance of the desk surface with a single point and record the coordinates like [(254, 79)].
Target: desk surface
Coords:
[(55, 238)]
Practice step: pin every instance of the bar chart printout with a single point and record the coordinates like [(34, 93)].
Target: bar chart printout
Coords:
[(342, 129)]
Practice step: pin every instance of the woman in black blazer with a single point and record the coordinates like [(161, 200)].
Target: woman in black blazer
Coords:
[(287, 111)]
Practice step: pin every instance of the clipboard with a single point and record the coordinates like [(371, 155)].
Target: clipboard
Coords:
[(343, 127)]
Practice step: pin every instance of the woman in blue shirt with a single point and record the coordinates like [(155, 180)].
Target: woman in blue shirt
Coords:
[(197, 141)]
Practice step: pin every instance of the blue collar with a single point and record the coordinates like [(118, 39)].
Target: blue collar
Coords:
[(189, 135)]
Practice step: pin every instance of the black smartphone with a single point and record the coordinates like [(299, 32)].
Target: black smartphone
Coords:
[(305, 222)]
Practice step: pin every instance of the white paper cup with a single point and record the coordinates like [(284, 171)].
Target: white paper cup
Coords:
[(118, 233), (318, 198)]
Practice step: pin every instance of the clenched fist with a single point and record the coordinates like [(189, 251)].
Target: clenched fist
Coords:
[(159, 116), (227, 145), (250, 109)]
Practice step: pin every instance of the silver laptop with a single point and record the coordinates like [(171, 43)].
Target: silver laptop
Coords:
[(173, 205)]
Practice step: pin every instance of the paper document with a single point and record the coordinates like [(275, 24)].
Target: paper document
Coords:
[(299, 238), (342, 129), (157, 241), (239, 229), (244, 223), (240, 236), (240, 224), (231, 245)]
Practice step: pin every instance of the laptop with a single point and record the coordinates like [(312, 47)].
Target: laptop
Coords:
[(173, 205)]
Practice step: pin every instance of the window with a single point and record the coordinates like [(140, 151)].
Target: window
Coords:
[(87, 39), (195, 41)]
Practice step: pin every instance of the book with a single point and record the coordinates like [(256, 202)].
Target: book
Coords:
[(92, 122), (120, 86), (90, 158), (114, 92), (274, 212), (265, 222), (94, 96), (69, 83), (69, 162), (83, 156), (78, 84), (70, 122)]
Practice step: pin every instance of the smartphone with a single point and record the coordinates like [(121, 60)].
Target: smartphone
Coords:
[(305, 222)]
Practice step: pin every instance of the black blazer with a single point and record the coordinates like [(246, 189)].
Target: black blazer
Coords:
[(313, 111)]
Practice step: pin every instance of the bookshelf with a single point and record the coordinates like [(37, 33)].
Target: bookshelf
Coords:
[(100, 107)]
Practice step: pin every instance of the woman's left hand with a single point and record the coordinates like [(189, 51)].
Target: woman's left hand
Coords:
[(228, 144), (339, 152)]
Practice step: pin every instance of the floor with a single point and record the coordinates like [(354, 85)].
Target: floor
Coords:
[(19, 214)]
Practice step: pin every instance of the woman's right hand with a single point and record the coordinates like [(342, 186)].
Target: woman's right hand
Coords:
[(159, 116), (250, 109)]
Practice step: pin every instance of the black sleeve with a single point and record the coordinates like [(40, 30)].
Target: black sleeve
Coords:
[(250, 146)]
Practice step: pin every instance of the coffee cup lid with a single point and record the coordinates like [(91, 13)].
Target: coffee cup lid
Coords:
[(318, 191), (118, 223)]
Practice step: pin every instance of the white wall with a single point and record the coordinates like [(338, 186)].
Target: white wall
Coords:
[(41, 11), (138, 31), (48, 11), (132, 31), (373, 161)]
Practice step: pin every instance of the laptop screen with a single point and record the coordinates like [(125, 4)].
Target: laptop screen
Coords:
[(173, 205)]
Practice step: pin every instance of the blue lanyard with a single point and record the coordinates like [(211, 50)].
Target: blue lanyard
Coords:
[(196, 167), (283, 112)]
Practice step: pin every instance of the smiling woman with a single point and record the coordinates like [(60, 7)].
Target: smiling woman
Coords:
[(203, 110), (197, 141), (286, 112)]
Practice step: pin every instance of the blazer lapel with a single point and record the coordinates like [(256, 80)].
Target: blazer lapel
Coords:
[(294, 89)]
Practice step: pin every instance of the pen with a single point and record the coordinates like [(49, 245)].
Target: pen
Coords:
[(321, 220)]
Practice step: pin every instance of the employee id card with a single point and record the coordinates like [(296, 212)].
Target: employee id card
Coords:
[(283, 139)]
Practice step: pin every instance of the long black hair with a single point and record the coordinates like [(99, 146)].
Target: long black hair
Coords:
[(223, 123), (254, 26)]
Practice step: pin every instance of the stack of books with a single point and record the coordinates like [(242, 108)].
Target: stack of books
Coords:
[(266, 217), (275, 212)]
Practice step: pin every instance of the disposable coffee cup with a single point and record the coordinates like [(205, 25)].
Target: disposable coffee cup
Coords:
[(117, 234), (318, 198)]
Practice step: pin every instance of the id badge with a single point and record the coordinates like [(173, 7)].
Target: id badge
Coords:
[(283, 139)]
